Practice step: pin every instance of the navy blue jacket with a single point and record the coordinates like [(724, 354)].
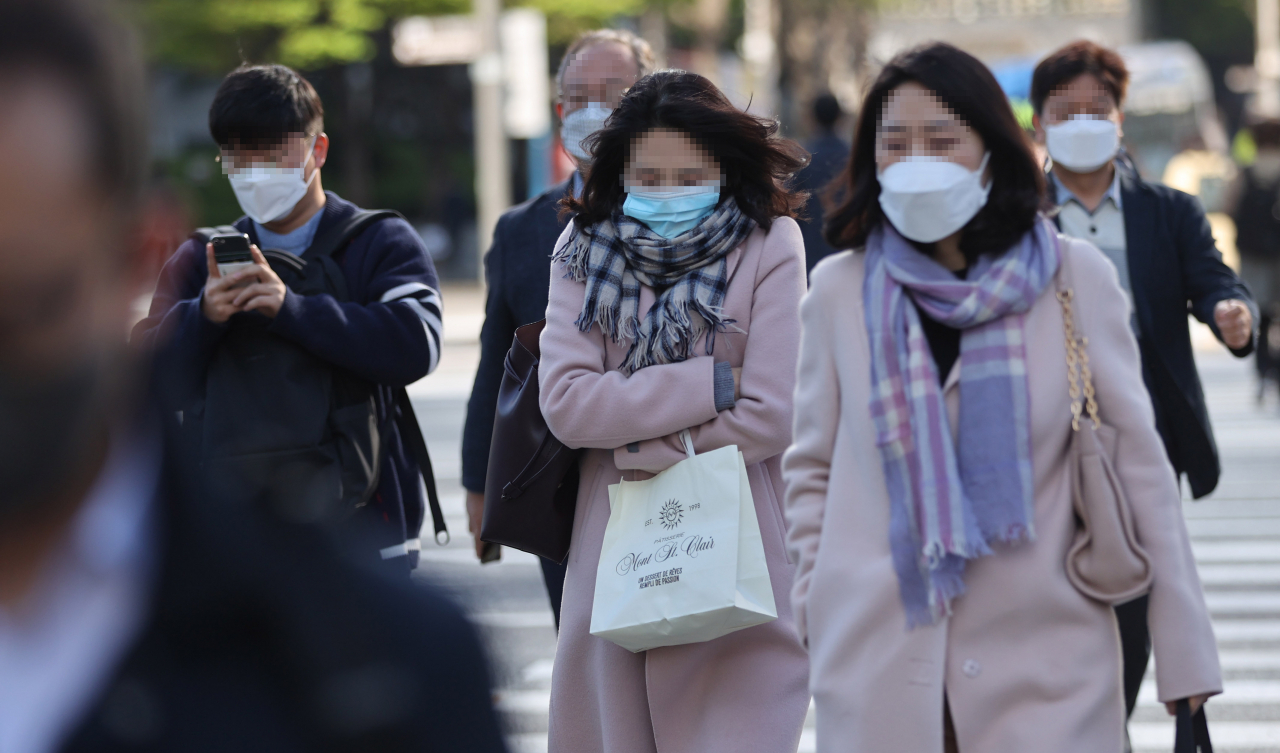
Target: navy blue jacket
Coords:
[(389, 333), (1175, 268), (518, 269)]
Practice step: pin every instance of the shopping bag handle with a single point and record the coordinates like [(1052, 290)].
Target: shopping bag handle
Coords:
[(687, 440)]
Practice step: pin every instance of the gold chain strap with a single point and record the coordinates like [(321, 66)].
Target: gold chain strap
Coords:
[(1078, 371)]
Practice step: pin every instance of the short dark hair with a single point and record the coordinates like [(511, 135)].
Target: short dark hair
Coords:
[(1076, 59), (755, 162), (262, 105), (826, 110), (87, 48), (969, 90)]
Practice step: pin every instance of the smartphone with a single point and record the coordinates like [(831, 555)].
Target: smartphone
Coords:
[(231, 252), (490, 553)]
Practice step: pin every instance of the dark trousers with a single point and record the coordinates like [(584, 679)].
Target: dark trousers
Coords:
[(553, 577), (1135, 646)]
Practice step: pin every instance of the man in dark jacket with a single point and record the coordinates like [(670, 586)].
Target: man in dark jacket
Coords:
[(828, 156), (269, 123), (136, 615), (1166, 258), (596, 70)]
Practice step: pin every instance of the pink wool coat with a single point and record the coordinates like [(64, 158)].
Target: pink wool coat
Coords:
[(1027, 662), (747, 691)]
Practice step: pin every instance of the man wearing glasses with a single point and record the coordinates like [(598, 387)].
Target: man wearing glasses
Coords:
[(371, 327)]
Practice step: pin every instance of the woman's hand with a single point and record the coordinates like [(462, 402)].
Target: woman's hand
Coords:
[(737, 383), (1196, 702)]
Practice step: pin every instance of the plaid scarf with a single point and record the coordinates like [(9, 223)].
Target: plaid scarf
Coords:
[(949, 503), (689, 273)]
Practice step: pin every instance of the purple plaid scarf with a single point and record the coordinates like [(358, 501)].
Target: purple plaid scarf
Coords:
[(949, 505)]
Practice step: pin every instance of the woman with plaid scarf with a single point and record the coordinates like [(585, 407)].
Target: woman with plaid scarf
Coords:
[(928, 494), (674, 305)]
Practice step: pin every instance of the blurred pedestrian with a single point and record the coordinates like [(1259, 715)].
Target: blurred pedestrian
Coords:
[(1256, 212), (597, 68), (1160, 243), (674, 305), (136, 614), (285, 381), (828, 155), (928, 499)]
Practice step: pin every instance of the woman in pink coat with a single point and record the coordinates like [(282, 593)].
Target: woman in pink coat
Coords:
[(928, 501), (674, 304)]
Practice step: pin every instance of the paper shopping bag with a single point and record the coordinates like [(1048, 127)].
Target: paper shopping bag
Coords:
[(682, 559)]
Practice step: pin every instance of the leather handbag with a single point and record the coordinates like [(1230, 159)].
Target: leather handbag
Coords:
[(531, 488), (1105, 561)]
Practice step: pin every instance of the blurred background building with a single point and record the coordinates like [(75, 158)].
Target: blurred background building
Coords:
[(405, 83)]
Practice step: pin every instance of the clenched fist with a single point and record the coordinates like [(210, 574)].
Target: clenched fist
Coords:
[(1234, 321)]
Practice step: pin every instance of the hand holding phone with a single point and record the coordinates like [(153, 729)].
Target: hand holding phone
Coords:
[(218, 302), (231, 253)]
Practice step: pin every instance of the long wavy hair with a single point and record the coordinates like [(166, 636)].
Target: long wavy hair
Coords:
[(969, 90), (756, 164)]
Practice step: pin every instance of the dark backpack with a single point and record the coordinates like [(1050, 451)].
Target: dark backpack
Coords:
[(278, 427)]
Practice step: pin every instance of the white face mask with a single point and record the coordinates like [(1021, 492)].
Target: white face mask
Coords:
[(1082, 144), (580, 124), (268, 193), (928, 199)]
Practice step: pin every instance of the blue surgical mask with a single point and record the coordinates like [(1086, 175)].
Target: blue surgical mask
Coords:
[(671, 210)]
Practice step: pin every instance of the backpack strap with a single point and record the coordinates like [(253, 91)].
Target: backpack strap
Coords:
[(335, 240), (337, 237), (407, 421)]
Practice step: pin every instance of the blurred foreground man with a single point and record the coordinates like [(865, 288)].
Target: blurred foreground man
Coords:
[(1166, 258), (596, 70), (134, 615)]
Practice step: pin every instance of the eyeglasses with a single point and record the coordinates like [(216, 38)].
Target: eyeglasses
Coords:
[(290, 155)]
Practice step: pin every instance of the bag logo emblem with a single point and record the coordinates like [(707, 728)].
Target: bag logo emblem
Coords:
[(671, 515)]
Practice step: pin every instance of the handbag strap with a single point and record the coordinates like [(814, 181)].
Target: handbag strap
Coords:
[(1079, 374), (687, 440), (1192, 733)]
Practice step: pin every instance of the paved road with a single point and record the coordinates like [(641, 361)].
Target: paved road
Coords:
[(1236, 536)]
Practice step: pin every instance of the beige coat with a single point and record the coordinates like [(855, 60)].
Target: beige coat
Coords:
[(746, 691), (1028, 663)]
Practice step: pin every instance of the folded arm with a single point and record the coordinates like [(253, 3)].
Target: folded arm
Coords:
[(759, 422), (589, 404)]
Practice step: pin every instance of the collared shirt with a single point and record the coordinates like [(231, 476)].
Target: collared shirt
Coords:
[(294, 242), (1103, 227), (63, 642)]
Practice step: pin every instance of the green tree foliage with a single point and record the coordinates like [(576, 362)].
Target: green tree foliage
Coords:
[(567, 19), (214, 35), (1220, 30)]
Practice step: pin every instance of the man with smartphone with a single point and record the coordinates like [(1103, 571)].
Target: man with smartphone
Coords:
[(323, 318)]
